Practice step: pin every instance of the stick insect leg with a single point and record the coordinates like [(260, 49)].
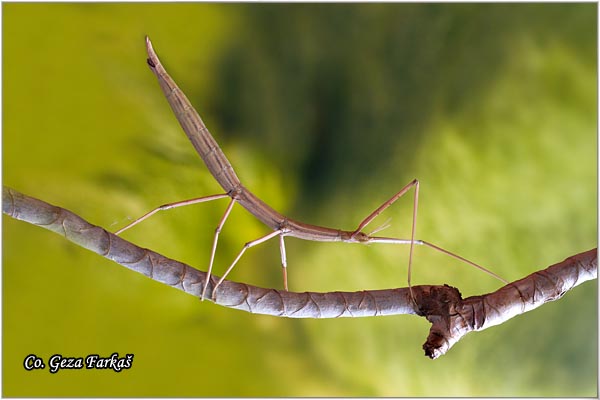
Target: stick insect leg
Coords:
[(283, 262), (388, 203), (172, 205), (412, 237), (246, 247), (487, 271), (388, 240), (214, 246)]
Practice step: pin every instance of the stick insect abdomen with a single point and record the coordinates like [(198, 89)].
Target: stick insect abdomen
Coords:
[(290, 227), (261, 210), (206, 146)]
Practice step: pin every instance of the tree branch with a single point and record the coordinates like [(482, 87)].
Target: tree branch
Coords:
[(451, 316)]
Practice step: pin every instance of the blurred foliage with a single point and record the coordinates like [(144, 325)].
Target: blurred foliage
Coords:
[(325, 110), (331, 75)]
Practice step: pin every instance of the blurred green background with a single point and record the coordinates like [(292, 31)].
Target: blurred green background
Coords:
[(325, 111)]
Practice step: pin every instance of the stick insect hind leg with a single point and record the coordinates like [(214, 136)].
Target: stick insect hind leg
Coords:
[(187, 203), (262, 239), (218, 229), (172, 205), (214, 246)]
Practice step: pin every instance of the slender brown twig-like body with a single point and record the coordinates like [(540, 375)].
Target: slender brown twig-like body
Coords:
[(223, 172), (220, 167)]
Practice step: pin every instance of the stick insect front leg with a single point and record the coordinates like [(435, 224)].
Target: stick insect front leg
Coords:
[(388, 203), (412, 240)]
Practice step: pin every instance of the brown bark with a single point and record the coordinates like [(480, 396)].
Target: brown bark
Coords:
[(451, 316)]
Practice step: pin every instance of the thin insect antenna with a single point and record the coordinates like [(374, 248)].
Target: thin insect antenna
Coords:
[(119, 221), (137, 221), (479, 267), (383, 226)]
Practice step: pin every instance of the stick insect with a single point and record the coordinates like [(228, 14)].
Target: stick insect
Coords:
[(281, 226)]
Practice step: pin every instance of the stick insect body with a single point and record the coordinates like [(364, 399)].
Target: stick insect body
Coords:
[(222, 170)]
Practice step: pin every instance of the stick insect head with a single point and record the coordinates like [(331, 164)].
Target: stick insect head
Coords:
[(359, 237)]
